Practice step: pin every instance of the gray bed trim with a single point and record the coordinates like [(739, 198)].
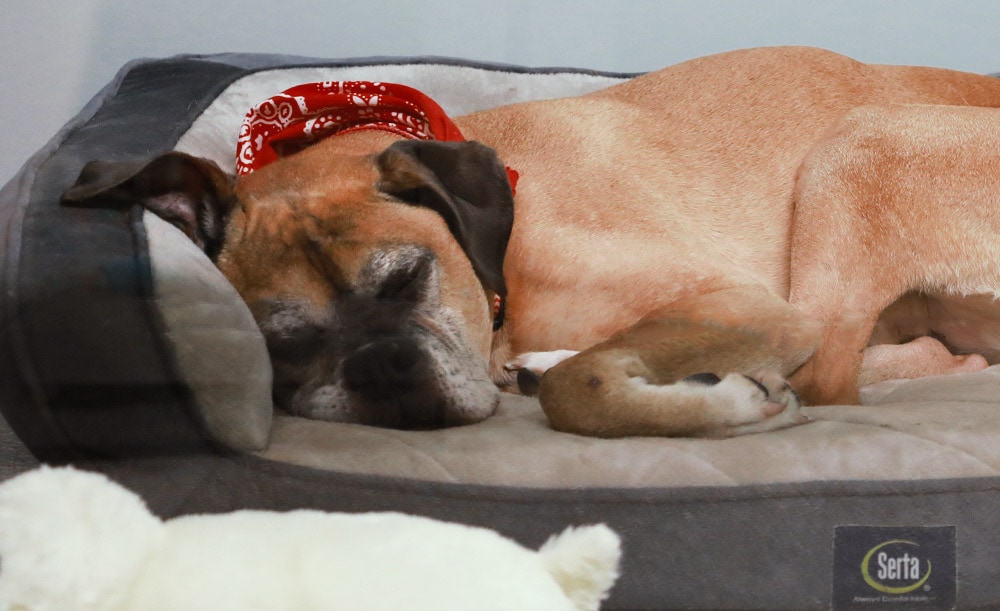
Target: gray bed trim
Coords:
[(750, 547), (14, 200), (256, 62)]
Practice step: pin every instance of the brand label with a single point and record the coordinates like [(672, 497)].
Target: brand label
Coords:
[(877, 567)]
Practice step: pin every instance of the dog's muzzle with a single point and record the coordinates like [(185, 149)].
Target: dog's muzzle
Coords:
[(395, 373), (392, 355)]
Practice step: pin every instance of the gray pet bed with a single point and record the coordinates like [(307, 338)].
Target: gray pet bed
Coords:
[(123, 350)]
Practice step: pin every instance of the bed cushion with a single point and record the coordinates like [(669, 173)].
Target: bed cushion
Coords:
[(129, 353)]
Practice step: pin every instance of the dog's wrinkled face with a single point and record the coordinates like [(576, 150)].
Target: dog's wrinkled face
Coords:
[(370, 277)]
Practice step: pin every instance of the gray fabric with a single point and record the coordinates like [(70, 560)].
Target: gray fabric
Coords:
[(14, 456), (85, 367), (253, 62), (15, 197), (922, 430), (216, 345)]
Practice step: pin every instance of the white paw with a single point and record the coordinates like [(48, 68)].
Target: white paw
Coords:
[(539, 362), (758, 405)]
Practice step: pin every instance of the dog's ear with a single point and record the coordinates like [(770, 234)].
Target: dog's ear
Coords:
[(465, 183), (192, 193)]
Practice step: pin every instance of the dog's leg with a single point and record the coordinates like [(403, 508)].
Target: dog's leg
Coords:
[(712, 365), (737, 392), (924, 356), (898, 200)]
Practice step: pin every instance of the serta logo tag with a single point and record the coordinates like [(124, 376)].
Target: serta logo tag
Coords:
[(893, 567)]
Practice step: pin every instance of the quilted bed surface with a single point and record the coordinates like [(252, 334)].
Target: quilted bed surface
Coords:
[(934, 428)]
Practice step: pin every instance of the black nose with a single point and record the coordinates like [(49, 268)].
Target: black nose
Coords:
[(383, 368), (394, 372)]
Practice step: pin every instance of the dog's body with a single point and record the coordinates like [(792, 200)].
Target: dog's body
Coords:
[(751, 213)]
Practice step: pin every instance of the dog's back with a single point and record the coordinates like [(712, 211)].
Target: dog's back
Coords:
[(692, 166)]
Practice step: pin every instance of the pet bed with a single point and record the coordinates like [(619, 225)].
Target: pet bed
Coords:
[(122, 349)]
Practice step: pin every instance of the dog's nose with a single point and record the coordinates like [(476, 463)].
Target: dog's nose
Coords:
[(394, 372), (383, 368)]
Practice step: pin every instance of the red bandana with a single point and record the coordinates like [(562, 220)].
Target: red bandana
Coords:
[(304, 114), (298, 117)]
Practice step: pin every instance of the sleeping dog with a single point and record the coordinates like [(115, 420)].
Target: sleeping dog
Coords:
[(691, 252)]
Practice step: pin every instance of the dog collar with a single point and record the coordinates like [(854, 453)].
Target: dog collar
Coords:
[(499, 310), (302, 115)]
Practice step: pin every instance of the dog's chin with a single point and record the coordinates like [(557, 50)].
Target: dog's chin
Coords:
[(405, 409), (440, 390)]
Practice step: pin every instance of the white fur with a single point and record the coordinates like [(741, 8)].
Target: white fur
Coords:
[(584, 561), (737, 406), (71, 540), (75, 540)]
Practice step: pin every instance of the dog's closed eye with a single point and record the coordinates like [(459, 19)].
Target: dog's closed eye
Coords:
[(298, 344), (406, 281), (292, 333)]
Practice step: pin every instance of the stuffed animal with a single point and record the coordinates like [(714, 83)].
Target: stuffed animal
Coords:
[(75, 541)]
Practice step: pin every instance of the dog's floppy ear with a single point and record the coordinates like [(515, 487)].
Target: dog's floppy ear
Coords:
[(190, 192), (465, 183)]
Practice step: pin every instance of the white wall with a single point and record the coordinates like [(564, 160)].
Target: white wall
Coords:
[(57, 53)]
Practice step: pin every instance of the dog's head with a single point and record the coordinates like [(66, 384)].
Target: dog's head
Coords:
[(370, 276)]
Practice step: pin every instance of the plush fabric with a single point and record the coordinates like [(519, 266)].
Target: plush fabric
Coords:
[(218, 349), (75, 540)]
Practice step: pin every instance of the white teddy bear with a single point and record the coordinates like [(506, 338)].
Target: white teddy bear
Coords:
[(75, 541)]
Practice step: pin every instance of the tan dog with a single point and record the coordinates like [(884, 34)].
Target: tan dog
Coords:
[(765, 213)]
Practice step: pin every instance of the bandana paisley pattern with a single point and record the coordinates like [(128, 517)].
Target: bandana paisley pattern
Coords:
[(298, 117)]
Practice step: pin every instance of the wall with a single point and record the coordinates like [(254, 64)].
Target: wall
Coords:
[(58, 53)]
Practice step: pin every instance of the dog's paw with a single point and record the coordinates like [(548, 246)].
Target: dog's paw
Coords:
[(531, 366), (765, 404)]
